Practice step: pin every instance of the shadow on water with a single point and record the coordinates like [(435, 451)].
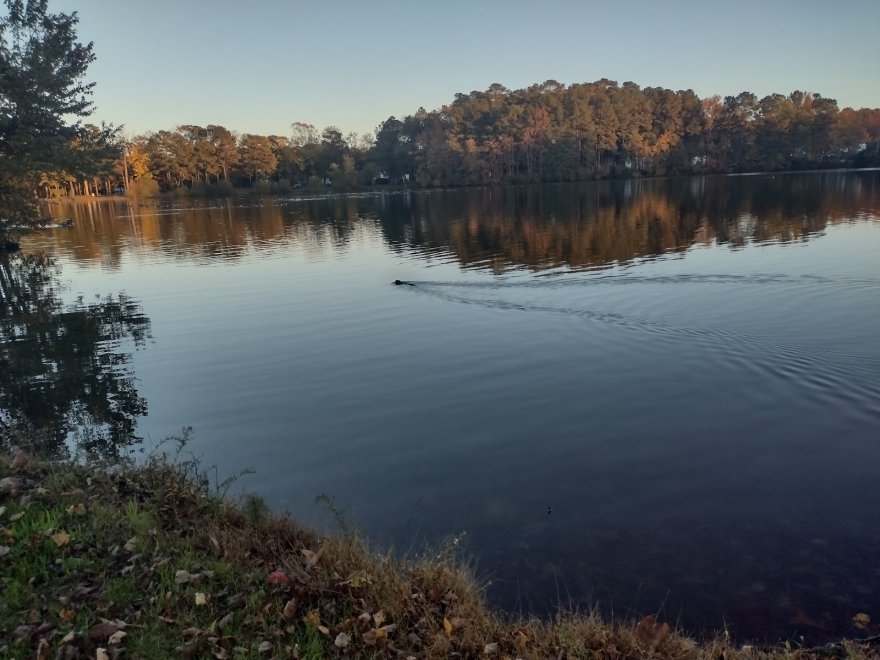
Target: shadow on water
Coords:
[(67, 383)]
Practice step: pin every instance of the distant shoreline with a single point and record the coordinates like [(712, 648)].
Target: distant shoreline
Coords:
[(185, 193)]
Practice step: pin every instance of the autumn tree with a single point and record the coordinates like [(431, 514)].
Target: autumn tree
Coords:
[(224, 146), (203, 162), (171, 158), (256, 156)]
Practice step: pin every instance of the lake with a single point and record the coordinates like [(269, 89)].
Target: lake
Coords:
[(657, 396)]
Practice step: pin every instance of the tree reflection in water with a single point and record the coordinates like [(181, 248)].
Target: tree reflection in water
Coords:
[(66, 381)]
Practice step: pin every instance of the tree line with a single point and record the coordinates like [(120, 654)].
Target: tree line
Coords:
[(545, 133), (553, 132)]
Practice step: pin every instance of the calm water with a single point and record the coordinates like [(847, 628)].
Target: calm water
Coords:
[(686, 372)]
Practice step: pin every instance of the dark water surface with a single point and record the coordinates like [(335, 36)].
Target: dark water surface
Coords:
[(687, 372)]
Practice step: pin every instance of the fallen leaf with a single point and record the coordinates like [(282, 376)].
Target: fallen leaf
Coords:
[(289, 609), (66, 614), (342, 640), (521, 639), (182, 577), (313, 618), (369, 638), (11, 485), (214, 542), (379, 618), (60, 538), (19, 462), (861, 620), (325, 630), (490, 649), (105, 629), (226, 621), (131, 544), (264, 647), (18, 516), (116, 637), (312, 557), (68, 637), (166, 619), (2, 511), (220, 653), (201, 599), (278, 577), (76, 509), (191, 632), (4, 550), (101, 654), (381, 634), (447, 626), (358, 580), (42, 650)]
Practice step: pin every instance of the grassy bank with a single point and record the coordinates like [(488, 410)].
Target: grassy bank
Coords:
[(103, 561)]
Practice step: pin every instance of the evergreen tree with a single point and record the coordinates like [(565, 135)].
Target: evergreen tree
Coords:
[(42, 66)]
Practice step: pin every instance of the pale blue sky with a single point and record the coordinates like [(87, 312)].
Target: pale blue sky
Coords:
[(259, 66)]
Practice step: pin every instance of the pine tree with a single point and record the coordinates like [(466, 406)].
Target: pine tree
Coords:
[(42, 70)]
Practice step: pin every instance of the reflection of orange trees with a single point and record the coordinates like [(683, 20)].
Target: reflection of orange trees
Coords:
[(597, 236), (103, 230), (496, 228), (594, 225)]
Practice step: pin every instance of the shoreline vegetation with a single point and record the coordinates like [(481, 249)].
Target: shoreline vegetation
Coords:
[(545, 133), (300, 193), (149, 559)]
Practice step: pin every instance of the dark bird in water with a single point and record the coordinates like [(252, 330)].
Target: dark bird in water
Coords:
[(549, 510), (402, 282), (11, 246)]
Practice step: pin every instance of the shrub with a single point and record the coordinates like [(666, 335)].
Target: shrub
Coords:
[(261, 188), (281, 187), (144, 187)]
